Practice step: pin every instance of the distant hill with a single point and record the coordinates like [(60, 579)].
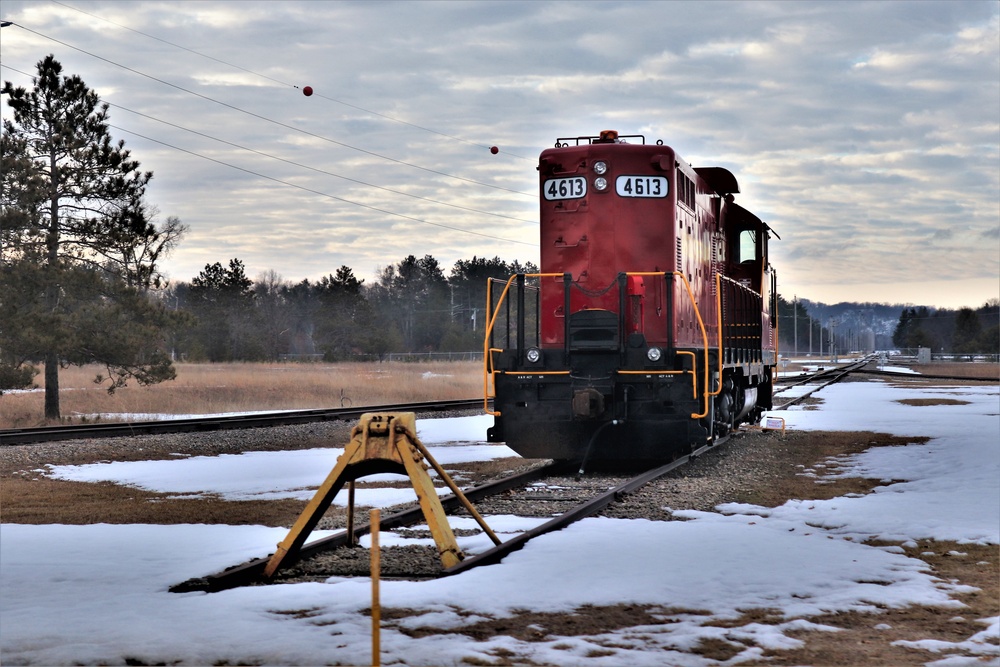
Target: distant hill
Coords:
[(852, 320), (879, 318)]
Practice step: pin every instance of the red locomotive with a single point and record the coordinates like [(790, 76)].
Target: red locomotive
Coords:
[(651, 328)]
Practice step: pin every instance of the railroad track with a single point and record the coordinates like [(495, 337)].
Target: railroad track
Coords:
[(821, 379), (788, 382), (252, 573), (829, 376), (23, 436), (926, 376)]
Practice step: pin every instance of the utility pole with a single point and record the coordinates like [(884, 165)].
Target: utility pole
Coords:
[(833, 340), (821, 338), (795, 319)]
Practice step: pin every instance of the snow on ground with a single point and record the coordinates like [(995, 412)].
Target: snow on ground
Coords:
[(98, 594), (792, 391), (133, 417), (293, 474)]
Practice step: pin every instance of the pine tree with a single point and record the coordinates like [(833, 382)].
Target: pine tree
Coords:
[(344, 321), (222, 299), (967, 331), (81, 247), (21, 196)]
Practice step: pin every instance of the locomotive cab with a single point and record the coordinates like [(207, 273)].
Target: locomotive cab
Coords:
[(747, 236)]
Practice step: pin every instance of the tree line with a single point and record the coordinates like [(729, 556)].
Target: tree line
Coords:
[(866, 326), (411, 306), (963, 331)]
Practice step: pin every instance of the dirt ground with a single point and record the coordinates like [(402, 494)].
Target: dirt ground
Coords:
[(27, 496)]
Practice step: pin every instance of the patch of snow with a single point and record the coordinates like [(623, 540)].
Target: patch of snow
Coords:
[(107, 584)]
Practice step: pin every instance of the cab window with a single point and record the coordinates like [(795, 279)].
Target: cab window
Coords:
[(748, 246)]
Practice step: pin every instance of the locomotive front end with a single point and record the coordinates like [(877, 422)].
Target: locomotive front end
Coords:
[(611, 354)]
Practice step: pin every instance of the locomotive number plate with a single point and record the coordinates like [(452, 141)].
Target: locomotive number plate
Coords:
[(641, 186), (565, 188)]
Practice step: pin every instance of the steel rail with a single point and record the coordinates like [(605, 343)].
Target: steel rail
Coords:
[(837, 374), (24, 436), (581, 511), (925, 376), (253, 571), (789, 383)]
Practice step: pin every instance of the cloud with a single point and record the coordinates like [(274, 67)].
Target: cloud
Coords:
[(849, 126)]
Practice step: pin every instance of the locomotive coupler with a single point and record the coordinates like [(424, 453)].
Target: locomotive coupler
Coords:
[(588, 403)]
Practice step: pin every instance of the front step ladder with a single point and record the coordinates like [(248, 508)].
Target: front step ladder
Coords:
[(382, 442)]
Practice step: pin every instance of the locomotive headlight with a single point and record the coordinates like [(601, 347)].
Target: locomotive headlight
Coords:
[(600, 168), (654, 354), (601, 183), (533, 355)]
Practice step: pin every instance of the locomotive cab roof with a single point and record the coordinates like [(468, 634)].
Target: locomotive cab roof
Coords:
[(719, 179)]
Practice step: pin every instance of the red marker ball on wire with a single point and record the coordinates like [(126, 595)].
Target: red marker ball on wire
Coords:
[(494, 150), (307, 91)]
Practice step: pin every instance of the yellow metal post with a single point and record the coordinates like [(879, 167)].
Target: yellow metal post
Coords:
[(458, 493), (376, 567), (437, 521), (314, 510), (351, 541)]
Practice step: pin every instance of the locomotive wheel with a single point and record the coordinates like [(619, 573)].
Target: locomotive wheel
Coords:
[(724, 408), (708, 421)]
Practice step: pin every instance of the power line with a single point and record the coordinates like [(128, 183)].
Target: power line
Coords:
[(284, 83), (177, 46), (303, 188), (275, 122), (317, 192), (320, 171)]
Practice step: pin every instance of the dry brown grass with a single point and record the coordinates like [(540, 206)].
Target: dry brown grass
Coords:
[(212, 388), (33, 500), (970, 369)]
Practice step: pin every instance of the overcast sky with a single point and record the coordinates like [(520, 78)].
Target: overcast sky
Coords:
[(867, 134)]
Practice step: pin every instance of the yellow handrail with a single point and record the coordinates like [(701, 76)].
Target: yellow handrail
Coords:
[(491, 315), (491, 321), (718, 317), (701, 325), (693, 371)]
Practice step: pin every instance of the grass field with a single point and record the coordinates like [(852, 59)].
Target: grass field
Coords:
[(214, 388)]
